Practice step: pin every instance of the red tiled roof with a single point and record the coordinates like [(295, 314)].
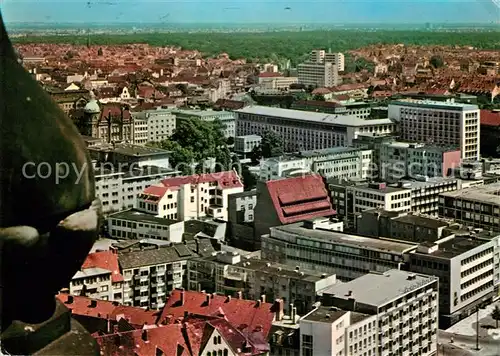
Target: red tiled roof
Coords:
[(327, 104), (115, 110), (300, 198), (226, 180), (108, 310), (490, 118), (246, 315), (270, 75), (107, 260), (167, 338)]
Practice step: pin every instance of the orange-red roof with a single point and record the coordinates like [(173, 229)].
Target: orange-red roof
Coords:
[(247, 316), (106, 260), (270, 75), (490, 118), (300, 198), (225, 180)]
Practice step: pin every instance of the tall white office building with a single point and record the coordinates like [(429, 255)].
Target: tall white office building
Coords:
[(322, 69), (439, 123)]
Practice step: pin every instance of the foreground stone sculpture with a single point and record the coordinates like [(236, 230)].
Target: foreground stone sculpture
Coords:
[(49, 219)]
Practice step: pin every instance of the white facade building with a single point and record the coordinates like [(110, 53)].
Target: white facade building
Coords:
[(159, 124), (322, 69), (191, 197), (333, 332), (405, 305), (439, 123), (302, 130), (227, 118), (339, 162)]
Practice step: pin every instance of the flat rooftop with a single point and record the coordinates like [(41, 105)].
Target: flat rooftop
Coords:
[(282, 270), (387, 189), (338, 238), (431, 181), (457, 246), (421, 221), (331, 314), (482, 194), (203, 113), (435, 104), (129, 149), (140, 217), (330, 151), (378, 289), (316, 117)]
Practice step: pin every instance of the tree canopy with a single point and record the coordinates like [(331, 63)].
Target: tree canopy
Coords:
[(436, 61), (193, 142), (270, 146)]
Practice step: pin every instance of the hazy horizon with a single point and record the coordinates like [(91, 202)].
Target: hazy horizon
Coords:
[(247, 12)]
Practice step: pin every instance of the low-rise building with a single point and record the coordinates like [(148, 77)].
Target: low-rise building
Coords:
[(227, 118), (347, 256), (338, 163), (229, 273), (405, 305), (270, 80), (244, 145), (124, 155), (191, 197), (400, 160), (133, 224), (477, 206)]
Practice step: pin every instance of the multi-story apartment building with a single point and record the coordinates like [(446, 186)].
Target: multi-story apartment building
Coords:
[(229, 274), (118, 190), (405, 306), (99, 277), (338, 162), (244, 145), (477, 206), (301, 130), (191, 197), (322, 69), (241, 217), (347, 256), (467, 267), (133, 224), (150, 274), (68, 100), (440, 123), (227, 118), (153, 125), (330, 331), (425, 193), (399, 160), (351, 199)]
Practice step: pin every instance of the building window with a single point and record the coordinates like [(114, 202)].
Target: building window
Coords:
[(307, 349)]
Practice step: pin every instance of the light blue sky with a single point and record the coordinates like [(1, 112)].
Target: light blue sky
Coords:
[(250, 11)]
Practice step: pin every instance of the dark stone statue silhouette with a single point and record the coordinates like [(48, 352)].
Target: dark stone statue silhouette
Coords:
[(48, 219)]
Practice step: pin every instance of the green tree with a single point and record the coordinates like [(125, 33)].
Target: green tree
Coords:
[(256, 154), (271, 145), (318, 97), (230, 141), (436, 61), (249, 180), (495, 314)]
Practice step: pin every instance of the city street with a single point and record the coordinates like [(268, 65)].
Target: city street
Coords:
[(464, 336)]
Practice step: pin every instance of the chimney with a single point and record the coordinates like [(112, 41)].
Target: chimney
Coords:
[(279, 306), (258, 303), (182, 297), (239, 294), (207, 299), (294, 314), (144, 335), (263, 298), (186, 314), (228, 298), (93, 303), (349, 294), (70, 299)]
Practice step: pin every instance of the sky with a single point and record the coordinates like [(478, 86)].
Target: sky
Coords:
[(250, 11)]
